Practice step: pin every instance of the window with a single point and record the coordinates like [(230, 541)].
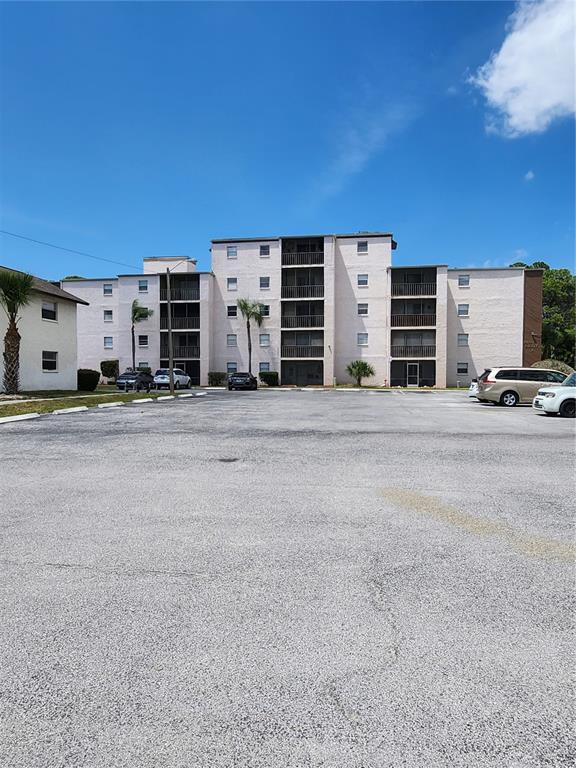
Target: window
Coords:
[(264, 339), (108, 342), (462, 339), (463, 310), (107, 289), (232, 252), (362, 246), (232, 310), (232, 283), (49, 310), (509, 375), (265, 310), (145, 364), (362, 281), (231, 340), (264, 250), (264, 367), (142, 286), (555, 377), (143, 341), (362, 339), (264, 283), (462, 368), (108, 316), (463, 281), (49, 361), (362, 309), (231, 367)]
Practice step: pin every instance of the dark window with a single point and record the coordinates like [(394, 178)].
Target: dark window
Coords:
[(49, 361), (107, 289), (555, 377), (533, 375), (49, 310), (362, 246), (142, 341), (264, 250), (232, 310), (265, 310), (507, 375)]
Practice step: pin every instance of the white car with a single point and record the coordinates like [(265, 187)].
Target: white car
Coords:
[(473, 390), (562, 399), (162, 378)]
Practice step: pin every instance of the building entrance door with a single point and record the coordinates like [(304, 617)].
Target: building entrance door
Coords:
[(412, 374)]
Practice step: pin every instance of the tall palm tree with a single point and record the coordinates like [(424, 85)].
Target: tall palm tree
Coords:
[(251, 310), (15, 293), (139, 313)]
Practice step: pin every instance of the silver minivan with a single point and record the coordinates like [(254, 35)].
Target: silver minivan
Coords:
[(510, 386)]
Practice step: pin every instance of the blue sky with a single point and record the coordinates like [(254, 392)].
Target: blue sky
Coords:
[(145, 129)]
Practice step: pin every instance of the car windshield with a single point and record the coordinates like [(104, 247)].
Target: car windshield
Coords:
[(162, 372), (128, 375), (570, 381)]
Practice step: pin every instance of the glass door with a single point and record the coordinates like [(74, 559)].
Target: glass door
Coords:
[(412, 374)]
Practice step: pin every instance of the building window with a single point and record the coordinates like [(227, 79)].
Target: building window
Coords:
[(49, 361), (462, 368), (143, 341), (265, 310), (107, 289), (264, 339), (463, 281), (232, 283), (264, 367), (231, 367), (231, 340), (232, 310), (264, 250), (49, 310), (142, 286), (108, 342), (143, 364), (362, 339), (362, 309), (108, 316), (463, 310), (362, 281), (264, 283), (362, 246), (232, 252), (462, 339)]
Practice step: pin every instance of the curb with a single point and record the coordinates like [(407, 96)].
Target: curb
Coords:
[(71, 410), (110, 405), (143, 400), (166, 397), (21, 417)]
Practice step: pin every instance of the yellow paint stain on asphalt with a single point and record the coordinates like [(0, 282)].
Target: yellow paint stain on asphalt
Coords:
[(535, 546)]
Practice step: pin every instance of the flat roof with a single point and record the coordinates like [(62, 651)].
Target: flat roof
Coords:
[(45, 286), (417, 266), (487, 269), (169, 258), (300, 237)]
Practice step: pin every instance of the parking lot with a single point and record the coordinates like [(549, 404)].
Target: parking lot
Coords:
[(285, 579)]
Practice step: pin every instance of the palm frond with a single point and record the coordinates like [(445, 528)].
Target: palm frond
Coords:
[(139, 312), (15, 291)]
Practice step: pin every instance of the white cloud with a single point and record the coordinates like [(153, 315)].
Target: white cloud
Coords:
[(529, 176), (520, 254), (529, 82)]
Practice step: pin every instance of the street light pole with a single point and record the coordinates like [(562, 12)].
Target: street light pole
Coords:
[(170, 345)]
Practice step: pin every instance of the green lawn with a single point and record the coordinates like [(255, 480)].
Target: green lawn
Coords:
[(47, 406)]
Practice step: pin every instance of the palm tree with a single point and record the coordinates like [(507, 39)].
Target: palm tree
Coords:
[(360, 369), (251, 310), (15, 293), (139, 313)]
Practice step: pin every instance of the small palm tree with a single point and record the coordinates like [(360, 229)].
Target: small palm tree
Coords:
[(139, 313), (251, 310), (360, 369), (15, 293)]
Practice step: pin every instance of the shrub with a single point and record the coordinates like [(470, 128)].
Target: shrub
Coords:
[(110, 368), (88, 379), (217, 379), (556, 365), (145, 369), (269, 377), (360, 369)]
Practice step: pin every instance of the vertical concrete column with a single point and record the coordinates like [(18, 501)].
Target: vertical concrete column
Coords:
[(206, 285), (329, 310), (441, 325)]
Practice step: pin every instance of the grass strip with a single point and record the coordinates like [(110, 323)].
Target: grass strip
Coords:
[(47, 406)]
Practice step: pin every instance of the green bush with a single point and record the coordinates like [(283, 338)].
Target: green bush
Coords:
[(110, 368), (88, 379), (145, 369), (360, 369), (217, 379), (269, 377)]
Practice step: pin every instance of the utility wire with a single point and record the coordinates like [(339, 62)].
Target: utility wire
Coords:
[(70, 250)]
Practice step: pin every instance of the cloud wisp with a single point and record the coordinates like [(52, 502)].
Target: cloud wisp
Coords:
[(529, 82), (529, 176)]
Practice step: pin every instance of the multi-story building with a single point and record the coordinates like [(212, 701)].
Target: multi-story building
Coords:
[(328, 300)]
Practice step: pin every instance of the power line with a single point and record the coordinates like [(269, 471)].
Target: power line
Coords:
[(69, 250)]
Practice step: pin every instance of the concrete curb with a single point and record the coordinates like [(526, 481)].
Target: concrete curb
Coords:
[(142, 400), (186, 394), (110, 405), (166, 397), (71, 410), (21, 417)]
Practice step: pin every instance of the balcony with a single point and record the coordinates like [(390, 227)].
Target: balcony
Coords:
[(306, 259), (181, 352), (180, 323), (412, 321), (302, 321), (413, 289), (180, 294), (302, 291), (416, 352), (299, 351)]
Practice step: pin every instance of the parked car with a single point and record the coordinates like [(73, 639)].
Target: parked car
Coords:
[(510, 386), (242, 381), (162, 378), (473, 388), (136, 380), (554, 400)]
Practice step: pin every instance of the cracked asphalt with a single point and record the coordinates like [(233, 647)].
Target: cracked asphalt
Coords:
[(287, 579)]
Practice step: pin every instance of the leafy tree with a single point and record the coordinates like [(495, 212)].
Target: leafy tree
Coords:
[(360, 369), (251, 311), (15, 293), (139, 313)]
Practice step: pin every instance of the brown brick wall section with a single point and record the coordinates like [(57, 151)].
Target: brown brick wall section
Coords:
[(532, 332)]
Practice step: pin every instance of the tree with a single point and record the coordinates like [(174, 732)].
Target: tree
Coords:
[(251, 310), (360, 369), (15, 293), (139, 313)]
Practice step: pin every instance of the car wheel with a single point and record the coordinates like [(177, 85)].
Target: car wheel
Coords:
[(176, 385), (230, 389), (568, 409), (138, 388), (509, 399)]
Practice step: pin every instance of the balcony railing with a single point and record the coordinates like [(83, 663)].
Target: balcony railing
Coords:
[(302, 291), (302, 259), (413, 289), (289, 351), (181, 352), (180, 323), (180, 294), (425, 351), (414, 321), (303, 321)]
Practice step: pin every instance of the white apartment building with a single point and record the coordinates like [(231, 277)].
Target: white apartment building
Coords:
[(329, 300)]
